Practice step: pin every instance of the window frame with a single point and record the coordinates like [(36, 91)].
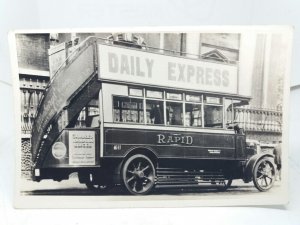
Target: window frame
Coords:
[(183, 113), (183, 101), (222, 99), (122, 96), (163, 100)]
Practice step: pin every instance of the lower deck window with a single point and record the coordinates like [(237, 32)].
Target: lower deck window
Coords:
[(174, 113), (128, 110), (213, 116), (142, 106), (155, 112), (193, 115)]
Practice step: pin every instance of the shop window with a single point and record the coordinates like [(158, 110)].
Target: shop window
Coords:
[(155, 112), (128, 110), (213, 116), (193, 115), (174, 113)]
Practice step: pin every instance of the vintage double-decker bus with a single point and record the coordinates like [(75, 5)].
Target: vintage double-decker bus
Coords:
[(123, 115)]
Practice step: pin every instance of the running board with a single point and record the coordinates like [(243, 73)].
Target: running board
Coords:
[(181, 178)]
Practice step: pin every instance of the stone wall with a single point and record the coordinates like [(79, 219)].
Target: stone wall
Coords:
[(26, 162)]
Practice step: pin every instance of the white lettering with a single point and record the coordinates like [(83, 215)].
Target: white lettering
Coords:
[(171, 70), (113, 62), (124, 65), (174, 139), (161, 139), (162, 70), (149, 63)]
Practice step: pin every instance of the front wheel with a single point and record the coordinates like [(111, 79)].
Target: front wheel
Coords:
[(138, 174), (264, 174)]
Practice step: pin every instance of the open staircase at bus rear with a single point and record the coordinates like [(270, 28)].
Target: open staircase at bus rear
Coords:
[(73, 85), (181, 178)]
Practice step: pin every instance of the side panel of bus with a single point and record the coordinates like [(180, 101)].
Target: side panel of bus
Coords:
[(118, 142)]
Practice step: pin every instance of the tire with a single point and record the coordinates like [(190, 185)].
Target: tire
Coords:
[(264, 174), (138, 174), (224, 185)]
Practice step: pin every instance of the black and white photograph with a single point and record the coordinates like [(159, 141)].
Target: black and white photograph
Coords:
[(151, 118)]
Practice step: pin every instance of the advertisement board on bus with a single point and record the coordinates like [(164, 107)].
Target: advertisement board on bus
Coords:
[(137, 66)]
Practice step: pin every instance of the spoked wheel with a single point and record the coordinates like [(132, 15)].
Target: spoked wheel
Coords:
[(224, 184), (264, 174), (138, 174)]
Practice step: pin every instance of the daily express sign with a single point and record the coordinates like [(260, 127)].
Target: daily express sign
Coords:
[(156, 69)]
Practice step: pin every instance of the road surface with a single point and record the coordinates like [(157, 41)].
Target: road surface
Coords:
[(73, 187)]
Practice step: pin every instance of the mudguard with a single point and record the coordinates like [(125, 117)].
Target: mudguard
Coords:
[(248, 171)]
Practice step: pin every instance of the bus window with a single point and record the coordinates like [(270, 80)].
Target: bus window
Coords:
[(193, 115), (213, 116), (128, 110), (213, 112), (174, 113), (155, 112)]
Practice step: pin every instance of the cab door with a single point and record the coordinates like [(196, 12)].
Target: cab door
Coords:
[(240, 146)]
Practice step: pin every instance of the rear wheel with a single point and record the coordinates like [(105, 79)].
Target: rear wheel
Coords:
[(264, 174), (138, 174)]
